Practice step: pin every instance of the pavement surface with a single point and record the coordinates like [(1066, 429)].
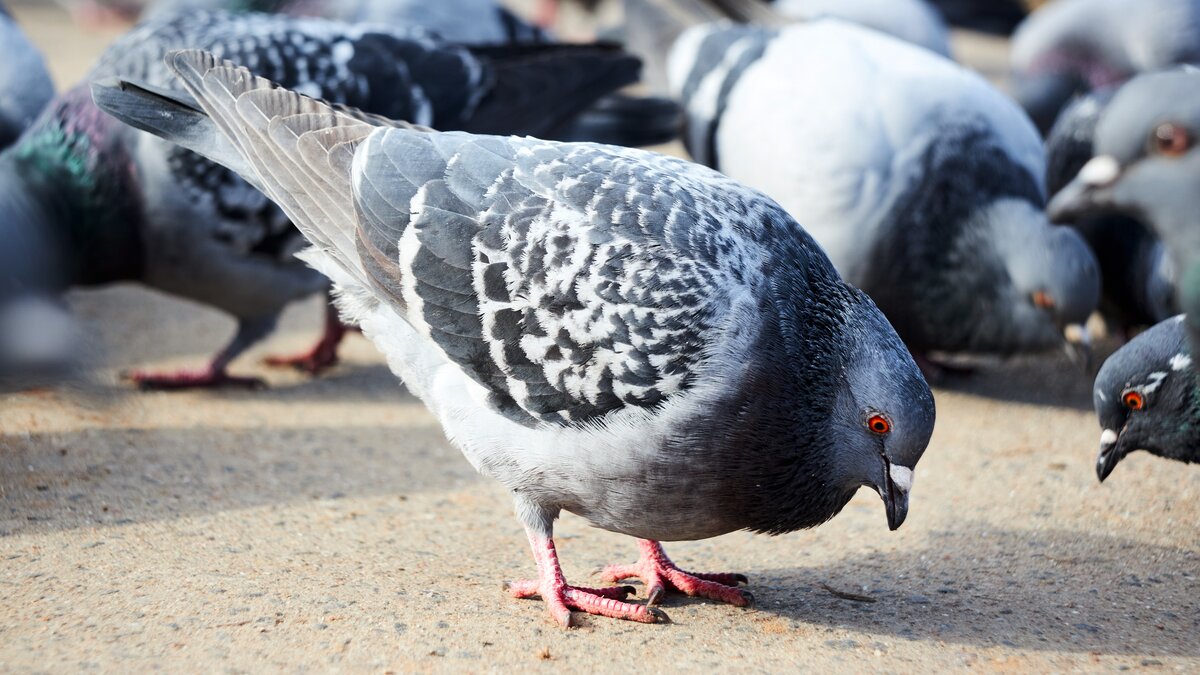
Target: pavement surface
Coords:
[(326, 525)]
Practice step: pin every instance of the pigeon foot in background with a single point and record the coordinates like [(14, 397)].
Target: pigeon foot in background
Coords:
[(561, 598), (210, 376), (323, 355), (660, 575)]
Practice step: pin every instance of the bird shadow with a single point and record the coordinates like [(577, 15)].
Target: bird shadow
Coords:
[(1041, 380), (1044, 590), (105, 476)]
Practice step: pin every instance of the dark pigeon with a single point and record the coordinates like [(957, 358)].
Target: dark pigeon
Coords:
[(623, 335)]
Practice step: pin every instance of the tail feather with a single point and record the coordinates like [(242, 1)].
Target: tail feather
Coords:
[(626, 120)]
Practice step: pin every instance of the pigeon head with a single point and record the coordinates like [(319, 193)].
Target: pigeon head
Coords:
[(1034, 284), (884, 414), (1146, 398), (1146, 161)]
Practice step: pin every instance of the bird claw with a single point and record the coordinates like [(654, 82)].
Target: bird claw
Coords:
[(660, 575)]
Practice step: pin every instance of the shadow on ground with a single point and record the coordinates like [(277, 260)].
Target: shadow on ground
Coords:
[(1044, 590), (114, 476)]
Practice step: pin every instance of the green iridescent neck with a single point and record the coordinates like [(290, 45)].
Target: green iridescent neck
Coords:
[(69, 174)]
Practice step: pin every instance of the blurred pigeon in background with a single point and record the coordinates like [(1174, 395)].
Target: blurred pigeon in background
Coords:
[(623, 335), (1069, 47), (922, 182), (25, 84), (914, 21), (127, 206), (1147, 399), (1146, 163), (1137, 279)]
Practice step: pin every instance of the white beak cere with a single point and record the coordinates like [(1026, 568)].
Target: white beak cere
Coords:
[(1107, 438), (902, 478), (1100, 171)]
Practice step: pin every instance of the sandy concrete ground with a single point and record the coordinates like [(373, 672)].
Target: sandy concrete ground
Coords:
[(327, 526)]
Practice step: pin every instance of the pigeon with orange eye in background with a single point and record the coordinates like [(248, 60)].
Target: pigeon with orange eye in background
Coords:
[(1146, 398)]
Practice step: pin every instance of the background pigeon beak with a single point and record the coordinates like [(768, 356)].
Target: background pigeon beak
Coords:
[(1110, 454), (1088, 192), (1079, 345)]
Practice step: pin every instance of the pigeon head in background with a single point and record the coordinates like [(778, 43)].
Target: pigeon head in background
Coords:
[(1146, 161), (1147, 399)]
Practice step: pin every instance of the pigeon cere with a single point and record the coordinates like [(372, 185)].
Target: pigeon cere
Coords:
[(599, 336)]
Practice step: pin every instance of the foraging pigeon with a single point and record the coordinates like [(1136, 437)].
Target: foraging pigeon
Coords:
[(25, 84), (1147, 398), (922, 182), (128, 206), (1147, 164), (1073, 46), (623, 335), (1137, 282)]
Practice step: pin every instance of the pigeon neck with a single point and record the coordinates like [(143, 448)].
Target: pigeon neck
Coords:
[(70, 177)]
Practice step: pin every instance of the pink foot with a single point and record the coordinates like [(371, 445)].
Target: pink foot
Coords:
[(323, 355), (546, 14), (561, 599), (660, 575), (201, 378)]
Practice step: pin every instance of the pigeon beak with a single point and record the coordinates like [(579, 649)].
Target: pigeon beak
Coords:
[(895, 491), (1087, 193), (1110, 453), (1079, 345)]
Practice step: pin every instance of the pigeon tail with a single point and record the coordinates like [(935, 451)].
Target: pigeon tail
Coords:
[(545, 86), (631, 121)]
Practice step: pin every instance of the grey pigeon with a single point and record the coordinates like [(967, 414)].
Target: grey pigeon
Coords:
[(25, 84), (1147, 398), (623, 335), (1147, 164), (1137, 278), (1073, 46), (128, 206), (922, 182)]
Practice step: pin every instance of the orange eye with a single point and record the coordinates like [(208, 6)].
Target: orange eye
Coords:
[(1171, 140), (879, 424), (1134, 400), (1043, 300)]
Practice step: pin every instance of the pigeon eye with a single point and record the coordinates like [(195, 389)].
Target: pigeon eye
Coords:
[(1043, 300), (1133, 400), (1170, 140), (879, 424)]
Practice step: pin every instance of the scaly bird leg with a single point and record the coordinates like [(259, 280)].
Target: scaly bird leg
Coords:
[(324, 354), (249, 331), (561, 598), (660, 575)]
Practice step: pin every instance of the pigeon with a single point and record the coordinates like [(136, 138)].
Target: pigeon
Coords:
[(25, 84), (997, 17), (914, 21), (1147, 398), (129, 206), (923, 183), (1073, 46), (619, 334), (1146, 163), (1137, 280)]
